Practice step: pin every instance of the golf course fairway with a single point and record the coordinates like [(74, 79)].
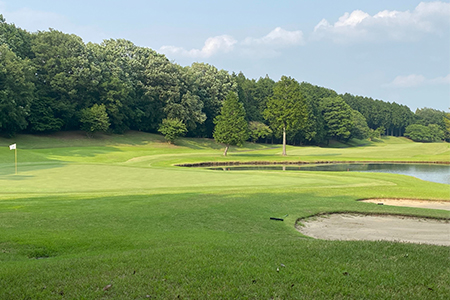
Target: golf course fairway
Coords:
[(113, 217)]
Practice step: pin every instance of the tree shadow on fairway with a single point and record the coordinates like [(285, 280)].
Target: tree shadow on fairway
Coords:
[(8, 171), (255, 155), (198, 144), (81, 152), (324, 154)]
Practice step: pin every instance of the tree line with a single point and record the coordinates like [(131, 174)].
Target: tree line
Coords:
[(52, 81)]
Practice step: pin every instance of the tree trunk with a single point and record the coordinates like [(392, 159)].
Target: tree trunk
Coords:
[(226, 150), (284, 140)]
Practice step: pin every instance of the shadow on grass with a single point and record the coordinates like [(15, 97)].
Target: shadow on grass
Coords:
[(8, 171), (83, 151), (325, 154), (198, 143), (253, 155), (79, 139)]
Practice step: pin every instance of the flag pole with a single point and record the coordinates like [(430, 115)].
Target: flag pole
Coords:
[(15, 158)]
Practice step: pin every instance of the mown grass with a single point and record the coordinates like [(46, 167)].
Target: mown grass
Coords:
[(83, 214)]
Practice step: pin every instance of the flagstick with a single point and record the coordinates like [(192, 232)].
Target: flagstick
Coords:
[(15, 158)]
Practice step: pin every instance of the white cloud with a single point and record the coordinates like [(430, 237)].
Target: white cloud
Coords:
[(426, 18), (213, 45), (414, 80), (352, 19), (440, 80), (407, 81), (261, 47), (277, 37)]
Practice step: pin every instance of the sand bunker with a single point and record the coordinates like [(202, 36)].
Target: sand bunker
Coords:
[(445, 205), (375, 228)]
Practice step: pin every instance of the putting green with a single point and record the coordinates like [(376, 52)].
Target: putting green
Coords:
[(79, 178)]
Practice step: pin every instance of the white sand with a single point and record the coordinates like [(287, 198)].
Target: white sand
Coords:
[(374, 228), (445, 205)]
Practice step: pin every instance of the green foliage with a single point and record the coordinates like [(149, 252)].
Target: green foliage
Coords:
[(231, 127), (172, 128), (426, 116), (391, 116), (314, 131), (94, 119), (246, 89), (211, 86), (60, 60), (421, 133), (436, 133), (17, 39), (16, 91), (447, 127), (187, 108), (338, 117), (286, 110), (258, 130), (360, 130), (377, 133), (49, 77)]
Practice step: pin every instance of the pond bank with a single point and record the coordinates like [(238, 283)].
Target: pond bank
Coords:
[(242, 163)]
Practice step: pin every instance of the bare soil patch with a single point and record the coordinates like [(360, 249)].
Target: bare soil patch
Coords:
[(445, 205), (377, 227)]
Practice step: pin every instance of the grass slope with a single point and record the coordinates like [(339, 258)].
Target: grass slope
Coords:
[(87, 213)]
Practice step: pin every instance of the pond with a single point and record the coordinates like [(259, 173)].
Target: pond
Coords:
[(429, 172)]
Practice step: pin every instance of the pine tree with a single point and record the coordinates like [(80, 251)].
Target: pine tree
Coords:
[(286, 109), (231, 127)]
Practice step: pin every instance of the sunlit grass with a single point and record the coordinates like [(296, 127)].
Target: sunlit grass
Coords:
[(83, 214)]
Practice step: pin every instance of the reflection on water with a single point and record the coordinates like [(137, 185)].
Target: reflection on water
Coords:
[(428, 172)]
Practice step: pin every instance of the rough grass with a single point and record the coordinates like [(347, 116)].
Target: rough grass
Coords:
[(87, 213)]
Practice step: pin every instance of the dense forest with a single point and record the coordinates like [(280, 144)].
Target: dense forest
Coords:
[(51, 81)]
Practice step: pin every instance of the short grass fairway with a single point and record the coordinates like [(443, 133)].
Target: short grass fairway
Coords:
[(113, 218)]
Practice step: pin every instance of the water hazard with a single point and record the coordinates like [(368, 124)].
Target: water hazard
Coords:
[(429, 172)]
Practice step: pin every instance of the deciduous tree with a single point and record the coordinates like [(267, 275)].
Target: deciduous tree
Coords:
[(258, 130), (94, 119), (16, 91), (172, 128)]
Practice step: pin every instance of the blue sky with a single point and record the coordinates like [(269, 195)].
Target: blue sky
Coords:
[(397, 50)]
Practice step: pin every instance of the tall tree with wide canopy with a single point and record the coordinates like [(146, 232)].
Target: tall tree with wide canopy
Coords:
[(212, 87), (231, 127), (186, 105), (338, 117), (137, 84), (60, 62), (16, 91), (17, 39), (286, 109)]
